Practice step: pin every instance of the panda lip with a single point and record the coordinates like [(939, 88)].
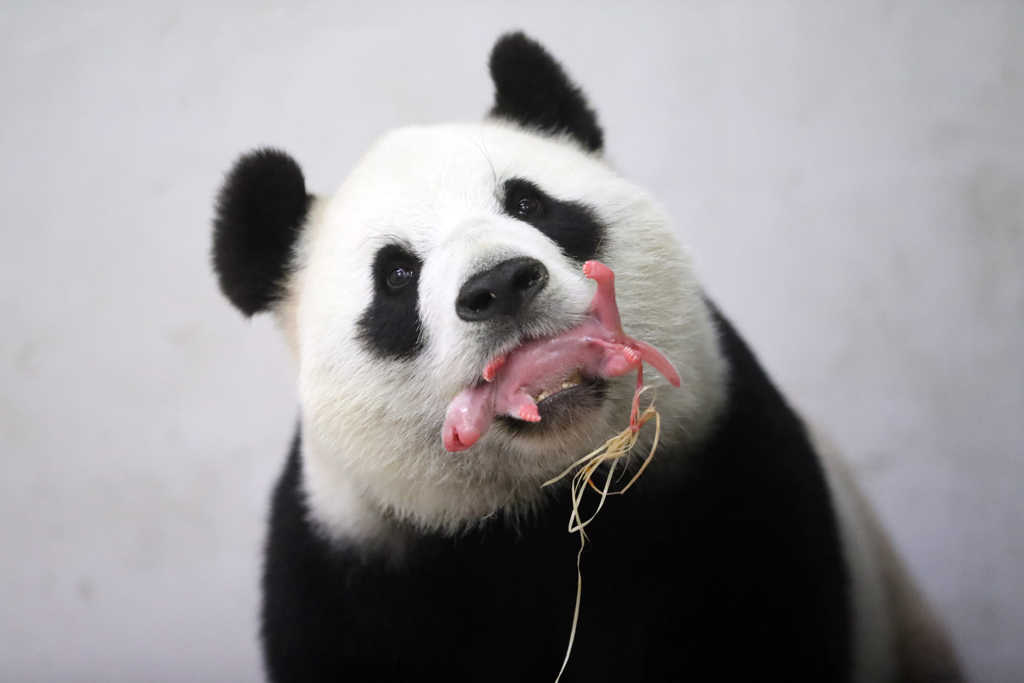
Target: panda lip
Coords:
[(545, 371)]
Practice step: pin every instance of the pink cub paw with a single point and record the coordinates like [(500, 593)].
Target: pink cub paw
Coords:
[(493, 367), (529, 413), (595, 270)]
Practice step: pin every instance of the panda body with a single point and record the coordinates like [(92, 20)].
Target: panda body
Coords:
[(738, 556)]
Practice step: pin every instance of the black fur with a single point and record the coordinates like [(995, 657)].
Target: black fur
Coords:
[(532, 89), (571, 225), (731, 572), (259, 215), (390, 327)]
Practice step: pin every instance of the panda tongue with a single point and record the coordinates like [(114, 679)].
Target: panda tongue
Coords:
[(597, 348)]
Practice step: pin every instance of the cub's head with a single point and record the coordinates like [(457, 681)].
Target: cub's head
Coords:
[(446, 247)]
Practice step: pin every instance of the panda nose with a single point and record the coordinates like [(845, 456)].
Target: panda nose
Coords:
[(502, 291)]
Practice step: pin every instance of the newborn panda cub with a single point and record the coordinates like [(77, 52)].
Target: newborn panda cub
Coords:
[(410, 536)]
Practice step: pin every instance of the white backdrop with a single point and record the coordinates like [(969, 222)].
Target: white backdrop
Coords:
[(850, 177)]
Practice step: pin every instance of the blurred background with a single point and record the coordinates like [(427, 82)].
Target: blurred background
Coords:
[(848, 175)]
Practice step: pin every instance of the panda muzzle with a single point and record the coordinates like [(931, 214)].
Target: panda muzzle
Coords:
[(513, 383)]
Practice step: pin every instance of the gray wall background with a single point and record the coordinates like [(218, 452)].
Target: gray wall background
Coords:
[(850, 177)]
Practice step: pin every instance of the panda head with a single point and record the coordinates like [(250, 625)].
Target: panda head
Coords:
[(445, 246)]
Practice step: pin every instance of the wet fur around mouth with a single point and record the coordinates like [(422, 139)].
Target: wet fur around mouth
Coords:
[(558, 410)]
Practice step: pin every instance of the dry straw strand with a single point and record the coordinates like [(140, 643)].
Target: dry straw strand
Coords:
[(611, 451)]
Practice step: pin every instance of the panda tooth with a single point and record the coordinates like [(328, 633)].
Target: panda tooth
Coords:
[(566, 384)]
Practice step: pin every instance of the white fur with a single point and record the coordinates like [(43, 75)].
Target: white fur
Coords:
[(371, 428)]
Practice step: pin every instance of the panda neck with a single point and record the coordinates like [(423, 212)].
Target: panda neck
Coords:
[(340, 510)]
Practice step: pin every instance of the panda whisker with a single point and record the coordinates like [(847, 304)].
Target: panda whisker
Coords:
[(504, 173), (382, 236), (483, 150)]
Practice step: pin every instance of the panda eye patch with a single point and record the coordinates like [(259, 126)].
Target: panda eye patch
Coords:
[(394, 270), (390, 326), (572, 225)]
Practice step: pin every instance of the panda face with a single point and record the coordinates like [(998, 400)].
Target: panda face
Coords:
[(388, 293), (374, 318)]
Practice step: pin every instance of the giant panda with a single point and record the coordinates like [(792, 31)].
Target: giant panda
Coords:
[(743, 553)]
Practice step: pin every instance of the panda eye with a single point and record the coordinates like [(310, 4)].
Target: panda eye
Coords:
[(400, 276), (527, 206)]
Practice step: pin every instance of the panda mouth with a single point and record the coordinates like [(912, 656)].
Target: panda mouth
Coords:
[(556, 377), (574, 380), (560, 407)]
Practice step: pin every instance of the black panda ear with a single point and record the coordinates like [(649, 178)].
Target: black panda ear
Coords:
[(532, 89), (260, 212)]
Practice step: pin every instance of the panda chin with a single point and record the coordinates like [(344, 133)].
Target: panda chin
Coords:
[(560, 410)]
